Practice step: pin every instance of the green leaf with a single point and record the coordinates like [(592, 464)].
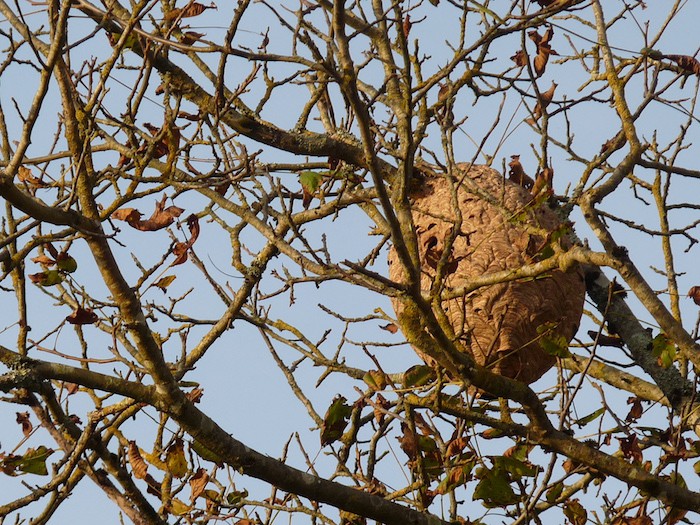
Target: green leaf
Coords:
[(66, 263), (310, 181), (375, 379), (516, 468), (551, 342), (494, 489), (206, 454), (590, 417), (335, 421), (554, 492), (176, 460), (664, 350), (236, 496), (32, 462), (418, 375)]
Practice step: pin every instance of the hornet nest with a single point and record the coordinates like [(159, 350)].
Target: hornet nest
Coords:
[(503, 326)]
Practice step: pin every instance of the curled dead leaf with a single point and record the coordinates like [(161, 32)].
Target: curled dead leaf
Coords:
[(197, 483), (138, 466), (517, 173), (23, 420), (82, 316), (161, 217)]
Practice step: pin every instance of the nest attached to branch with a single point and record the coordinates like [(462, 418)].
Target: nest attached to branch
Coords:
[(506, 326)]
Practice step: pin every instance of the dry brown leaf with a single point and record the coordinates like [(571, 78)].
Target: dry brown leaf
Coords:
[(191, 10), (161, 217), (543, 182), (520, 58), (694, 294), (544, 50), (82, 316), (407, 25), (197, 483), (195, 394), (687, 63), (636, 411), (517, 173), (190, 37), (23, 420), (138, 465), (456, 446), (129, 215), (70, 388), (613, 144), (408, 442), (381, 406), (629, 446), (542, 102), (44, 260), (25, 175), (181, 249), (391, 327)]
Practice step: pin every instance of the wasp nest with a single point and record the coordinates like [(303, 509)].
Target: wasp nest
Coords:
[(506, 325)]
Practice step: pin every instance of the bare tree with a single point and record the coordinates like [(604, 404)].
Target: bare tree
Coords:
[(511, 159)]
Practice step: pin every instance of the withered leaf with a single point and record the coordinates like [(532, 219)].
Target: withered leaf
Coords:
[(614, 143), (25, 175), (575, 512), (408, 442), (176, 460), (82, 316), (375, 379), (195, 394), (198, 482), (544, 50), (71, 388), (48, 278), (190, 37), (192, 117), (164, 282), (161, 217), (44, 260), (381, 406), (517, 174), (193, 9), (180, 251), (543, 182), (630, 448), (23, 420), (391, 327), (407, 25), (456, 446), (520, 58), (687, 63), (636, 411), (129, 215), (138, 466), (542, 102)]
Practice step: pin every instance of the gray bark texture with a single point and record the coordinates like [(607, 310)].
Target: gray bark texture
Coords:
[(504, 325)]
